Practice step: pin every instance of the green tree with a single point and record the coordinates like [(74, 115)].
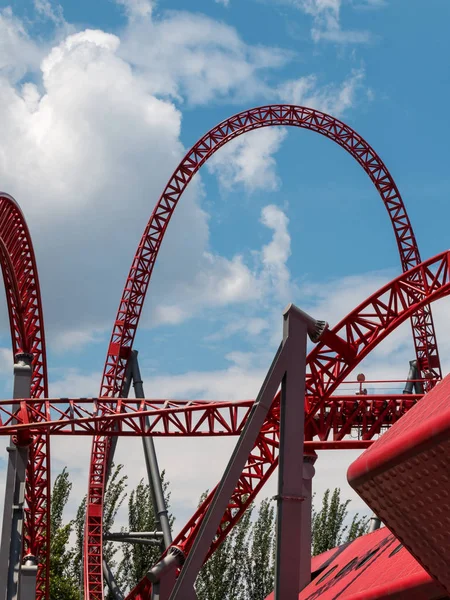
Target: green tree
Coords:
[(223, 575), (62, 584), (260, 560), (328, 528), (138, 558), (114, 497)]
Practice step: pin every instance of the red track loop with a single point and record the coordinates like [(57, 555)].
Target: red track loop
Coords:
[(136, 286), (23, 298), (364, 328)]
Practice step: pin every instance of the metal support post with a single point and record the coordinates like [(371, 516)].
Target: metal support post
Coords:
[(306, 539), (184, 587), (413, 375), (288, 367), (293, 557), (163, 576), (28, 575), (374, 523), (13, 512), (151, 461), (111, 582)]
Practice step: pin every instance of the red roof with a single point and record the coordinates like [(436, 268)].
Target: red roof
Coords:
[(373, 567), (405, 478)]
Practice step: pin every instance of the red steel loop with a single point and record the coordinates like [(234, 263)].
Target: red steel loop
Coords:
[(326, 367), (23, 298), (136, 286)]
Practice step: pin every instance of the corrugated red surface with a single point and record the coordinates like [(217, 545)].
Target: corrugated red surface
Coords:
[(373, 567), (405, 478)]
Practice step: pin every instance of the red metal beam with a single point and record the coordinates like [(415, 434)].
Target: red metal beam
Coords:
[(26, 320), (130, 307), (331, 360), (359, 415)]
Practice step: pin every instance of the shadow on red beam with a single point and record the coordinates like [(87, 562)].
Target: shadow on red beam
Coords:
[(338, 445)]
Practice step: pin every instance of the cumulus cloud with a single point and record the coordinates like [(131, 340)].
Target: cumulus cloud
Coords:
[(87, 147), (326, 22), (249, 160), (192, 57), (18, 52), (331, 98), (136, 9), (223, 282)]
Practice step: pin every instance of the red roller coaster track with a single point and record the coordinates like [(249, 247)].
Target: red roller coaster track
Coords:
[(23, 298), (137, 283), (328, 419), (326, 367)]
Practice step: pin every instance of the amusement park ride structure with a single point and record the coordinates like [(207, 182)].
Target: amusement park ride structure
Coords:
[(295, 413)]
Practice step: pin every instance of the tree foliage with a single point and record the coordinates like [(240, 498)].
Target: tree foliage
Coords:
[(328, 524), (222, 576), (242, 568), (62, 584), (260, 561), (137, 558)]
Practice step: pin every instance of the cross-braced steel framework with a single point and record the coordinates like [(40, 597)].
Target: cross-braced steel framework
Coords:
[(328, 419)]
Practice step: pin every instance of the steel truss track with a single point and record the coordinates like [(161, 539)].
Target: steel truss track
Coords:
[(23, 298), (137, 283), (334, 357), (364, 416)]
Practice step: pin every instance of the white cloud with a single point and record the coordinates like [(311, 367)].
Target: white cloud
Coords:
[(136, 9), (326, 22), (18, 53), (250, 326), (248, 160), (86, 152), (53, 13), (276, 253), (193, 57), (333, 99), (224, 2), (220, 281)]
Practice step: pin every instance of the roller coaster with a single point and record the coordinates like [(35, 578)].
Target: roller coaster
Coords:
[(266, 434)]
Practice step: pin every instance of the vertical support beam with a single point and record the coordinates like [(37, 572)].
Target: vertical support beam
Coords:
[(413, 374), (374, 523), (28, 577), (306, 540), (13, 512), (293, 555), (151, 462)]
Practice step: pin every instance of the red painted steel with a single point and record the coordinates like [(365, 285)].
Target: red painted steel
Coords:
[(373, 567), (367, 415), (404, 477), (331, 360), (23, 298), (136, 286)]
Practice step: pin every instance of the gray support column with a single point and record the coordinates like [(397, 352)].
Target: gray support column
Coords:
[(28, 577), (411, 384), (374, 523), (13, 512), (184, 587), (111, 582), (306, 539), (151, 461), (293, 557)]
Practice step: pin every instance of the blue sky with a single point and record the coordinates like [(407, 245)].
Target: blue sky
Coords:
[(98, 103)]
